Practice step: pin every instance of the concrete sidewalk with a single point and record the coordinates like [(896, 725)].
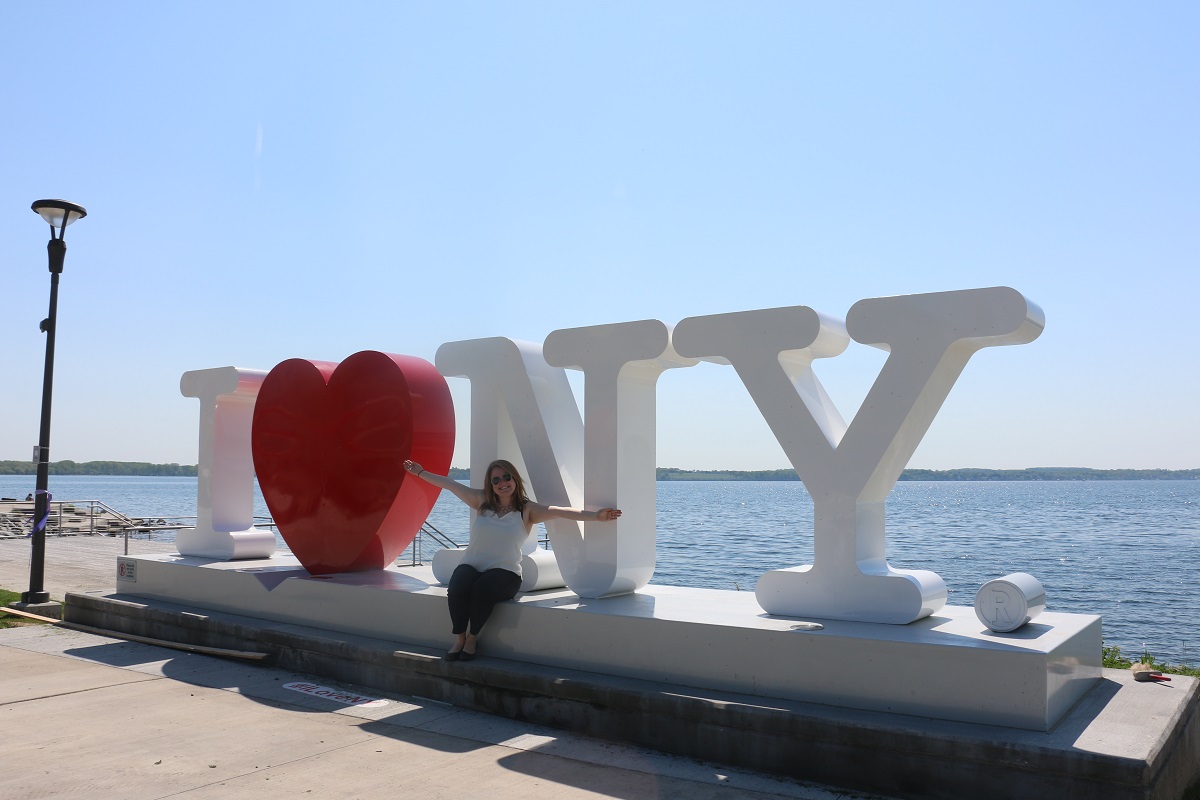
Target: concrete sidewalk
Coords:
[(88, 716), (73, 563)]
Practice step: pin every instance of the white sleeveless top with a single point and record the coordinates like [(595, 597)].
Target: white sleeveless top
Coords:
[(496, 542)]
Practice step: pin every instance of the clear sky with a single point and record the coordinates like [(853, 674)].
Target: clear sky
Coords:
[(274, 180)]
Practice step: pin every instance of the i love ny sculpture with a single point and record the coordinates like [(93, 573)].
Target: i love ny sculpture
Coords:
[(327, 440)]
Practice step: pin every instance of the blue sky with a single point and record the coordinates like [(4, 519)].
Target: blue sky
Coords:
[(276, 180)]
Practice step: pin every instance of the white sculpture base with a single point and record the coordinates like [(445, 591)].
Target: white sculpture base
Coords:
[(946, 666), (227, 545), (539, 568)]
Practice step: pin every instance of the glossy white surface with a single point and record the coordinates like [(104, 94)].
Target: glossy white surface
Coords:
[(523, 409), (539, 569), (225, 474), (849, 469), (621, 364), (945, 666), (1007, 603)]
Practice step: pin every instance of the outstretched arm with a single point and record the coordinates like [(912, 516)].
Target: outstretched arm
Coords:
[(536, 513), (472, 497)]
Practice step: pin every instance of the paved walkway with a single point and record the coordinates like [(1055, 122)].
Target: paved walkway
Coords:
[(88, 716), (93, 717), (73, 563)]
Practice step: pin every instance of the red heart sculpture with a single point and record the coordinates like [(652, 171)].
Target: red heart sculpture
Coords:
[(329, 444)]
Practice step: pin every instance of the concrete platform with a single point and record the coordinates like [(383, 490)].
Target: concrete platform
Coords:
[(947, 666), (1123, 740), (1148, 732)]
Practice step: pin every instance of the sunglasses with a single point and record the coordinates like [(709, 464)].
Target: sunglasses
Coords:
[(499, 479)]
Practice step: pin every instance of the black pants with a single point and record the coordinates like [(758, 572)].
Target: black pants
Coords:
[(473, 594)]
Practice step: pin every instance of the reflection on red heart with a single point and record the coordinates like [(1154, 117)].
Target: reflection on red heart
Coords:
[(329, 443)]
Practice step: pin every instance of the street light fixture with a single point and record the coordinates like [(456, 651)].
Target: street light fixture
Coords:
[(60, 214)]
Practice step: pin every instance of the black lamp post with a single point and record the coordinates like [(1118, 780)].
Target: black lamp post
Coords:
[(59, 214)]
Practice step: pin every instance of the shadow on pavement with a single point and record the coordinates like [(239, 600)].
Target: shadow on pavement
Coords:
[(398, 719)]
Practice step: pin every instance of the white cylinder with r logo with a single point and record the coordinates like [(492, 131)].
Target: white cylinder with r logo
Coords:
[(1007, 603)]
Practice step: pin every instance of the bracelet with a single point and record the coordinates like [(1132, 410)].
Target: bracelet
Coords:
[(422, 472)]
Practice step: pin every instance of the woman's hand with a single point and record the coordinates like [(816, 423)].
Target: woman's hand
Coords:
[(608, 514), (472, 497)]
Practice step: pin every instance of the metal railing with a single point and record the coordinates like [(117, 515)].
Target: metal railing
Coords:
[(95, 517), (416, 550), (65, 518), (152, 525)]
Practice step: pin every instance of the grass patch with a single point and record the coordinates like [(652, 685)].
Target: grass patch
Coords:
[(1112, 658), (12, 620), (6, 597)]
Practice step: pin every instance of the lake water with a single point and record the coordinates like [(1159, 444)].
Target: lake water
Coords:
[(1127, 550)]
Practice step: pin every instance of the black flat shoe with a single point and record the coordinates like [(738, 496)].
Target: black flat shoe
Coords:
[(465, 656), (455, 656)]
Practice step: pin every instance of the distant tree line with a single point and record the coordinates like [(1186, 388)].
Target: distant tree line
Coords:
[(671, 473), (969, 474), (1051, 474), (100, 468)]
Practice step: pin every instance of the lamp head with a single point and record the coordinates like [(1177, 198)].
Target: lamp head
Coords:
[(59, 213)]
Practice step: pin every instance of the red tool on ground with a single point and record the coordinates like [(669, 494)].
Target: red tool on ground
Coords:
[(1145, 673)]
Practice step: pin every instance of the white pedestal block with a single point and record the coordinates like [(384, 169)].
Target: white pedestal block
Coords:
[(946, 666), (539, 568), (227, 545)]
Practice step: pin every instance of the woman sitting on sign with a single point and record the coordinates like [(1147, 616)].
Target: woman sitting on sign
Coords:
[(490, 570)]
